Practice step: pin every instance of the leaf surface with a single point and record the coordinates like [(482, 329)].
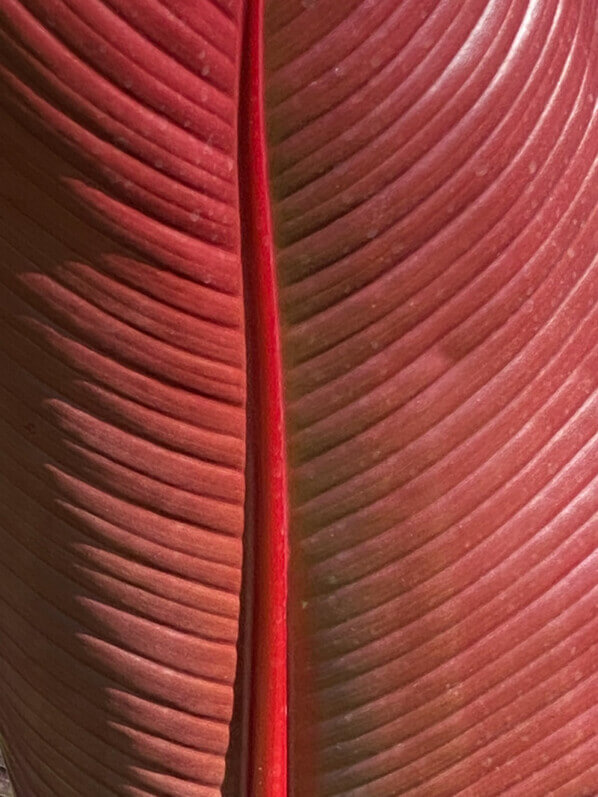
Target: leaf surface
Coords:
[(298, 407), (434, 194), (122, 394)]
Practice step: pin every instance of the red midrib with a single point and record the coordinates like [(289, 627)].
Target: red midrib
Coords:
[(267, 490)]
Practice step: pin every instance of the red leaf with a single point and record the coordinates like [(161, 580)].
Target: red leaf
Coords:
[(299, 342)]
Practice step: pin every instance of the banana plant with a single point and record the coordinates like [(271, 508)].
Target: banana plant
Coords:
[(298, 398)]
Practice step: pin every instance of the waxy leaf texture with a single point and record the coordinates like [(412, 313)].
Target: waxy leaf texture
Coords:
[(298, 398)]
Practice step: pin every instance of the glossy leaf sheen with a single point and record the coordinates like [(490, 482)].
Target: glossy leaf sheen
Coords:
[(298, 345)]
